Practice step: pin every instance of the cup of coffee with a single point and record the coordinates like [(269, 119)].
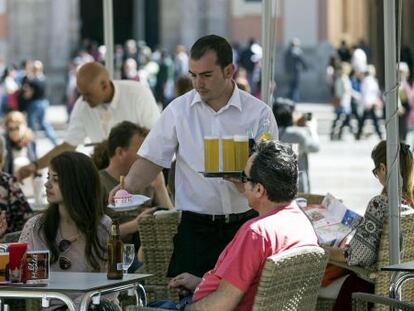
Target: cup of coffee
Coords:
[(241, 151), (17, 262), (211, 153), (229, 158)]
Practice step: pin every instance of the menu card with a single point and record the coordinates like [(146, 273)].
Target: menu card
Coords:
[(38, 266), (332, 220)]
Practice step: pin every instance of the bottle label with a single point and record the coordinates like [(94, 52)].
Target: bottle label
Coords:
[(119, 266)]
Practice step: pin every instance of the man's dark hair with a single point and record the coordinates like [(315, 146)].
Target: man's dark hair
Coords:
[(214, 43), (276, 168), (121, 135)]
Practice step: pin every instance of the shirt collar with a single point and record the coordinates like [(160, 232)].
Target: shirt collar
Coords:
[(113, 104), (233, 101)]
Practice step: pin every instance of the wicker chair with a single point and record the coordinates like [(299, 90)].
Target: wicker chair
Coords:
[(360, 302), (289, 281), (157, 233), (11, 237), (380, 278)]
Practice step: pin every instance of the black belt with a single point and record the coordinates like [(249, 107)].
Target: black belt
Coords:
[(230, 218)]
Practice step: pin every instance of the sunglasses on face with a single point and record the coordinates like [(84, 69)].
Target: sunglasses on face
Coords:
[(375, 171), (13, 129), (64, 262)]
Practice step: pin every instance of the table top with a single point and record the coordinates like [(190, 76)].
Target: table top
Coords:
[(78, 282), (402, 267)]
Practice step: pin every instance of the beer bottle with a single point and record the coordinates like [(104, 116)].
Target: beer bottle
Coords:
[(115, 254), (252, 142), (122, 181)]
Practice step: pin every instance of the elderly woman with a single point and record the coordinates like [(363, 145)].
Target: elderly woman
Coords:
[(20, 145), (13, 204)]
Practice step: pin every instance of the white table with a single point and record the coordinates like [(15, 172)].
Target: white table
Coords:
[(62, 283)]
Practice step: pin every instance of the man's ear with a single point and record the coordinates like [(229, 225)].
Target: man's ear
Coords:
[(229, 71), (119, 151), (260, 191)]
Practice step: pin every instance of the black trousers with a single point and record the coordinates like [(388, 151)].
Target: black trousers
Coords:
[(199, 242)]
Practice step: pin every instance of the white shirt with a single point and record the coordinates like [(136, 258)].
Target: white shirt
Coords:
[(181, 129), (131, 102), (370, 92)]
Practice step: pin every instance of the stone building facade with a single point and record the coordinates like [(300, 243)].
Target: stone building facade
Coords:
[(50, 30)]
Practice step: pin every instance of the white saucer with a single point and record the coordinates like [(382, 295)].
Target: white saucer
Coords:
[(136, 201)]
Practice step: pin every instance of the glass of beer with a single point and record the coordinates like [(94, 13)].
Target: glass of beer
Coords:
[(227, 144), (211, 153), (241, 151)]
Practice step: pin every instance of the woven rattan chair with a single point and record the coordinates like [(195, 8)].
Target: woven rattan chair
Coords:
[(156, 234), (11, 237), (360, 302), (380, 278), (290, 280)]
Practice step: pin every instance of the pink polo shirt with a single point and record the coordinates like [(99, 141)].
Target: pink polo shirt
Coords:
[(241, 262)]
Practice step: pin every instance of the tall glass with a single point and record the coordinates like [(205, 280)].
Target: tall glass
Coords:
[(229, 158), (211, 153), (128, 258), (241, 149)]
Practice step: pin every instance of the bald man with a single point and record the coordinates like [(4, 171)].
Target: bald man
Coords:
[(102, 104)]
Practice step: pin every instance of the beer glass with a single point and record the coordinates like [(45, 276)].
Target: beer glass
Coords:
[(241, 151), (211, 154), (227, 144)]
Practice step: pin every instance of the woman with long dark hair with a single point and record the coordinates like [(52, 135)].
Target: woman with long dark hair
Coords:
[(73, 228)]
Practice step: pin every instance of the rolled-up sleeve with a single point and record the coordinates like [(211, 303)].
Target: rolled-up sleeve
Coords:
[(161, 143)]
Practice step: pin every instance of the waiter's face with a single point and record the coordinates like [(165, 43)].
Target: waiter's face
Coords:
[(91, 92), (208, 78)]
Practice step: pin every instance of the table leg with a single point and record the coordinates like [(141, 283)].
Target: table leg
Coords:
[(86, 299), (31, 294), (397, 280)]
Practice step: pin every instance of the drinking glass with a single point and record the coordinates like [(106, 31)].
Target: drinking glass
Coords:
[(128, 258)]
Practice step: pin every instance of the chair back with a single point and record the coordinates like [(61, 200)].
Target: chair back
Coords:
[(291, 280), (382, 279), (11, 237), (156, 234)]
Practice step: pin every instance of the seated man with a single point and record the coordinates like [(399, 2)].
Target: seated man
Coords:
[(270, 184), (113, 158)]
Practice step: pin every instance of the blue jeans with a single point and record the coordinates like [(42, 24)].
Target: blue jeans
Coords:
[(171, 305), (36, 111)]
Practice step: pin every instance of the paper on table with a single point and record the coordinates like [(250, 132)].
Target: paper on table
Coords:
[(332, 220)]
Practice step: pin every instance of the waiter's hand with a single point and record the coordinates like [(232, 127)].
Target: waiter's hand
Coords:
[(25, 171), (112, 194), (237, 183)]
